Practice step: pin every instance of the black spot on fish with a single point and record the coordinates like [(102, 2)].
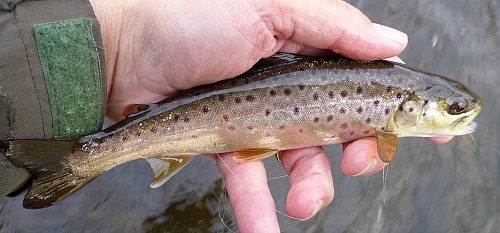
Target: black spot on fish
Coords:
[(287, 91), (375, 83), (237, 100), (222, 98), (272, 92), (376, 102), (296, 110), (226, 118), (154, 130), (177, 118), (315, 96), (329, 118), (331, 94), (359, 110), (424, 114), (343, 93), (359, 90), (316, 119), (250, 98), (124, 138), (186, 119), (387, 111), (282, 127), (343, 126), (250, 127), (368, 120), (388, 89), (268, 111), (342, 110), (302, 87), (205, 109), (399, 95), (138, 133), (232, 128)]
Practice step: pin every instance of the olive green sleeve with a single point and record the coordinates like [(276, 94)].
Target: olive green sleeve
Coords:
[(52, 74)]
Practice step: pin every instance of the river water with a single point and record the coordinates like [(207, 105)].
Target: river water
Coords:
[(453, 187)]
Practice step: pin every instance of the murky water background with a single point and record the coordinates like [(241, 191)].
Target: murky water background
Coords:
[(430, 188)]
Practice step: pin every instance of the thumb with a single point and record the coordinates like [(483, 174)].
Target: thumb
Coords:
[(333, 25)]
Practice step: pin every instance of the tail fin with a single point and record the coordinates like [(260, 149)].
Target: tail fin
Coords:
[(46, 160)]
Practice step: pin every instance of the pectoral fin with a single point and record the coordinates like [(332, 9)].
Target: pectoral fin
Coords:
[(165, 168), (253, 155), (387, 144)]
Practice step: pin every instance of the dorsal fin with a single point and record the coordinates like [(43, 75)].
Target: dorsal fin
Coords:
[(165, 168), (274, 61), (136, 109)]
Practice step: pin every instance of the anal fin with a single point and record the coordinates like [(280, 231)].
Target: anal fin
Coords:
[(387, 144), (165, 168), (253, 155)]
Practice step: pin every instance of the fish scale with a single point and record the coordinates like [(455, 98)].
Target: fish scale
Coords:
[(284, 102)]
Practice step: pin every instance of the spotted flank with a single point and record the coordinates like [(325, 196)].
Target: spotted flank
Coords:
[(284, 102)]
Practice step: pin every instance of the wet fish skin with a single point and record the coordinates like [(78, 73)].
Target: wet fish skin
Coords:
[(284, 102)]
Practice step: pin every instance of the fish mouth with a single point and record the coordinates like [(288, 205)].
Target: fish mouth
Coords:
[(463, 130)]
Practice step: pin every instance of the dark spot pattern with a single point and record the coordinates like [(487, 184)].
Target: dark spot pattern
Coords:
[(342, 110), (154, 130), (186, 119), (316, 119), (388, 89), (368, 120), (237, 100), (302, 87), (376, 103), (329, 118), (177, 118), (232, 128), (331, 94), (315, 96), (138, 133), (124, 138), (424, 114), (387, 111), (343, 126), (226, 118), (250, 127), (250, 98), (296, 110), (272, 93), (359, 90), (282, 127), (399, 95), (268, 112), (222, 98), (287, 91), (359, 110), (343, 93), (205, 109)]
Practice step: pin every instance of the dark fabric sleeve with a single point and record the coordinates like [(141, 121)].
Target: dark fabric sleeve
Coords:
[(25, 103)]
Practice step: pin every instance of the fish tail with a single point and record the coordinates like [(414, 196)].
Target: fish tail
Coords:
[(46, 160)]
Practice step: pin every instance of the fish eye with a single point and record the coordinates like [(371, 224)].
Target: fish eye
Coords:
[(459, 107)]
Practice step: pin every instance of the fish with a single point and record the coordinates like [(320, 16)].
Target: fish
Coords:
[(283, 102)]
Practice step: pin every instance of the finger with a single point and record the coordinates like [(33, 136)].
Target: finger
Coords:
[(311, 182), (333, 25), (441, 140), (361, 157), (249, 194)]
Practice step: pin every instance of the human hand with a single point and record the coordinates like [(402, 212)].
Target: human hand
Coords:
[(156, 48)]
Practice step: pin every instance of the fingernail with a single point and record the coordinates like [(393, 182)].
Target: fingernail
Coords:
[(391, 34), (319, 204), (368, 168)]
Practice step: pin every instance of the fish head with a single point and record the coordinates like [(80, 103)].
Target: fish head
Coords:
[(441, 108)]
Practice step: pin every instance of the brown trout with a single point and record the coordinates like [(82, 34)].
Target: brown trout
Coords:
[(284, 102)]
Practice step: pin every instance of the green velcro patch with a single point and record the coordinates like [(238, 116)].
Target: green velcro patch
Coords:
[(71, 67)]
